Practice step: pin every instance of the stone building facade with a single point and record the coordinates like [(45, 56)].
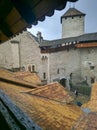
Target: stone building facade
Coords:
[(72, 23), (21, 53), (67, 58), (74, 60)]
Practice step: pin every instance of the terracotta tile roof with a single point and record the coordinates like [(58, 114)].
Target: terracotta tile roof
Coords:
[(9, 78), (48, 114), (28, 77), (53, 91), (92, 104), (87, 122)]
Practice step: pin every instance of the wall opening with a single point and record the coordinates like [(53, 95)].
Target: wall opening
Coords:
[(92, 80), (44, 75), (33, 68), (29, 68)]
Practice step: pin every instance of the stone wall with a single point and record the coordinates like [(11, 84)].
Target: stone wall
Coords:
[(63, 63), (6, 55), (89, 64), (29, 51), (81, 64), (72, 26)]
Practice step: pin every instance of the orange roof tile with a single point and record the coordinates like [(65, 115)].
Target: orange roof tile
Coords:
[(48, 114), (54, 91), (28, 77), (9, 78), (87, 122)]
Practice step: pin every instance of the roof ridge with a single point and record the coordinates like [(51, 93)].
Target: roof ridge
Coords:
[(73, 12)]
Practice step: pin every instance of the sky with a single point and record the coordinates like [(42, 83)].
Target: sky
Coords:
[(51, 27)]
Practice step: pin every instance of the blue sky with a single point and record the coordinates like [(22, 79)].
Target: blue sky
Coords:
[(51, 27)]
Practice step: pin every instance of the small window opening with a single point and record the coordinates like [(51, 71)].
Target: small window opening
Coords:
[(33, 68), (57, 71), (29, 68), (92, 67), (44, 75), (92, 79)]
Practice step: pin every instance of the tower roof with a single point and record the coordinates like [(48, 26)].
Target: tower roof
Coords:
[(71, 12)]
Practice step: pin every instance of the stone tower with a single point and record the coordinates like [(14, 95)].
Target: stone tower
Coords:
[(72, 23)]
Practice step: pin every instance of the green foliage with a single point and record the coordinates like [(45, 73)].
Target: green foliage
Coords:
[(83, 89)]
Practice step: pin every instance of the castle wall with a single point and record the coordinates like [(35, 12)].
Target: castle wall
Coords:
[(29, 51), (89, 64), (80, 63), (44, 67), (15, 55), (24, 52), (72, 26), (6, 55), (63, 63), (30, 55)]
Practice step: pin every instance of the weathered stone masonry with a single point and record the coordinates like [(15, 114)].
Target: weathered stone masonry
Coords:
[(61, 58)]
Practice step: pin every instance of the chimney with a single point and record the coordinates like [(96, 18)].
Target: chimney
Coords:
[(40, 38)]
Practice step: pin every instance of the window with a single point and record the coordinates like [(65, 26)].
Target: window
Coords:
[(71, 75), (29, 68), (92, 79), (92, 67), (44, 75), (57, 71), (44, 58), (33, 68)]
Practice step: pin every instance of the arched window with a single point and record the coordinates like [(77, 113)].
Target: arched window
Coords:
[(33, 68), (29, 68)]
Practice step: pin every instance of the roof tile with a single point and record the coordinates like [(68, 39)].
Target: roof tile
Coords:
[(28, 77), (87, 122), (73, 12), (48, 114), (53, 91)]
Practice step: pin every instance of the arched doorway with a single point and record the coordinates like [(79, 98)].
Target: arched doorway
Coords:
[(63, 82)]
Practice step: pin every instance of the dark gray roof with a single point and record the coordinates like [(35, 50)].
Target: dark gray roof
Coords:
[(58, 41), (73, 12), (89, 37)]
